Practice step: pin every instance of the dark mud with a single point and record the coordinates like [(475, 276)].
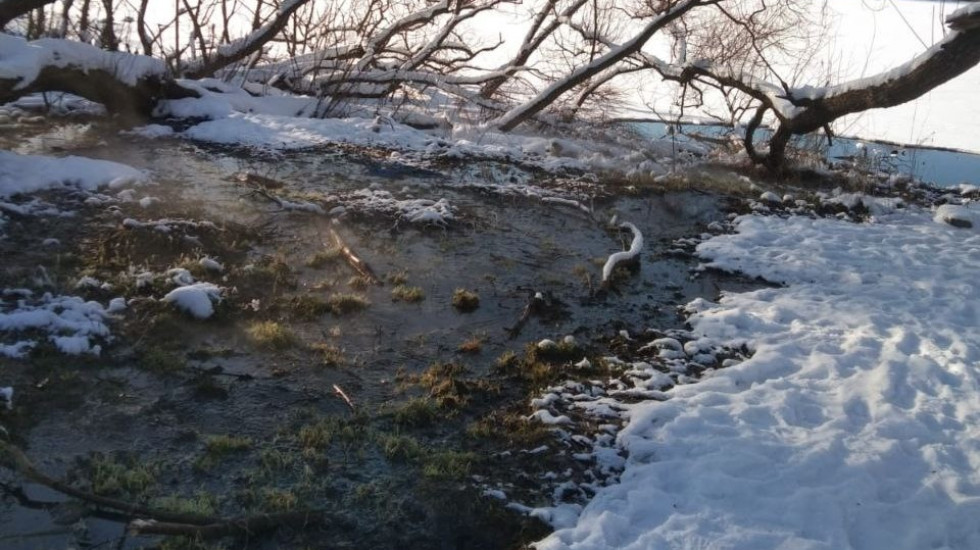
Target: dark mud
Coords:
[(239, 414)]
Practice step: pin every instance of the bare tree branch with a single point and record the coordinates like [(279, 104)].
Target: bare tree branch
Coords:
[(246, 46)]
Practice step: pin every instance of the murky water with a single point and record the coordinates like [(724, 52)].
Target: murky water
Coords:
[(501, 245)]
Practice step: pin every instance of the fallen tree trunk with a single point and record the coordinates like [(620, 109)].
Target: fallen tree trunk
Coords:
[(12, 9), (630, 256), (126, 84), (250, 525), (800, 111)]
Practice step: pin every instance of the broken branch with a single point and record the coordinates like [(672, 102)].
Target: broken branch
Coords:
[(631, 255)]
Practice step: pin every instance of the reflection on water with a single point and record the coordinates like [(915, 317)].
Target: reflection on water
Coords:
[(938, 166)]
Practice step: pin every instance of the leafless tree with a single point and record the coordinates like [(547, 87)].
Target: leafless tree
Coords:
[(750, 53)]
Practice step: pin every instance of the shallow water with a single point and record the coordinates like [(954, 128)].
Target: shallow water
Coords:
[(503, 246)]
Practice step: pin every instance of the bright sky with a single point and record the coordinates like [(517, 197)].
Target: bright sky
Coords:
[(868, 36)]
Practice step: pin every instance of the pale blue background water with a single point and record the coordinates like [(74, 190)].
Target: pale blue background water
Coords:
[(941, 167)]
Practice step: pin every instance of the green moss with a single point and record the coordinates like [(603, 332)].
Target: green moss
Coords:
[(156, 359), (511, 427), (275, 460), (201, 504), (110, 477), (448, 465), (271, 271), (418, 412), (401, 448), (279, 500), (221, 445), (317, 436)]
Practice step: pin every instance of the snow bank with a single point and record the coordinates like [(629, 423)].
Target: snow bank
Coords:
[(71, 324), (855, 424), (31, 173)]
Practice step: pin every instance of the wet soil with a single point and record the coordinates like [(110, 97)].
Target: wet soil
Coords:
[(242, 413)]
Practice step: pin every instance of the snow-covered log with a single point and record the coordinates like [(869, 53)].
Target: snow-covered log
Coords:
[(125, 83), (625, 256)]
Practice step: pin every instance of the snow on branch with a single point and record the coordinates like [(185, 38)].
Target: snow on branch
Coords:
[(22, 61), (958, 52), (625, 256), (123, 82)]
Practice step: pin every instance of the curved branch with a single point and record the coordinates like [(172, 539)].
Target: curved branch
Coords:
[(246, 46)]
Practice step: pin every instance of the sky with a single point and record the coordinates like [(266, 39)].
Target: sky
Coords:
[(865, 37)]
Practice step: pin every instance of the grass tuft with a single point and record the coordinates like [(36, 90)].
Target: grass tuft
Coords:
[(465, 300), (271, 335), (342, 303), (410, 294)]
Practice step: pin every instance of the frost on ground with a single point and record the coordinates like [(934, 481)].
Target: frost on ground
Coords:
[(377, 201), (70, 323), (282, 122), (855, 423)]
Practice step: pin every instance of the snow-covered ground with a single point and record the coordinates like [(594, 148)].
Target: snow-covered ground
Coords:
[(855, 424)]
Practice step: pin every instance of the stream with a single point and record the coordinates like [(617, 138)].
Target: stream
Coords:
[(248, 412)]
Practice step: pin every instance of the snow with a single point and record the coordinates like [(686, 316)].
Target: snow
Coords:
[(31, 173), (958, 216), (23, 61), (71, 323), (196, 299), (627, 255), (211, 264), (854, 425)]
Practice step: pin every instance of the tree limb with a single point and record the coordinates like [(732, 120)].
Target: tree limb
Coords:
[(12, 9)]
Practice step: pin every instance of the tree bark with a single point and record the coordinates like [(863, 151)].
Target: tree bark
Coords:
[(12, 9), (126, 84)]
